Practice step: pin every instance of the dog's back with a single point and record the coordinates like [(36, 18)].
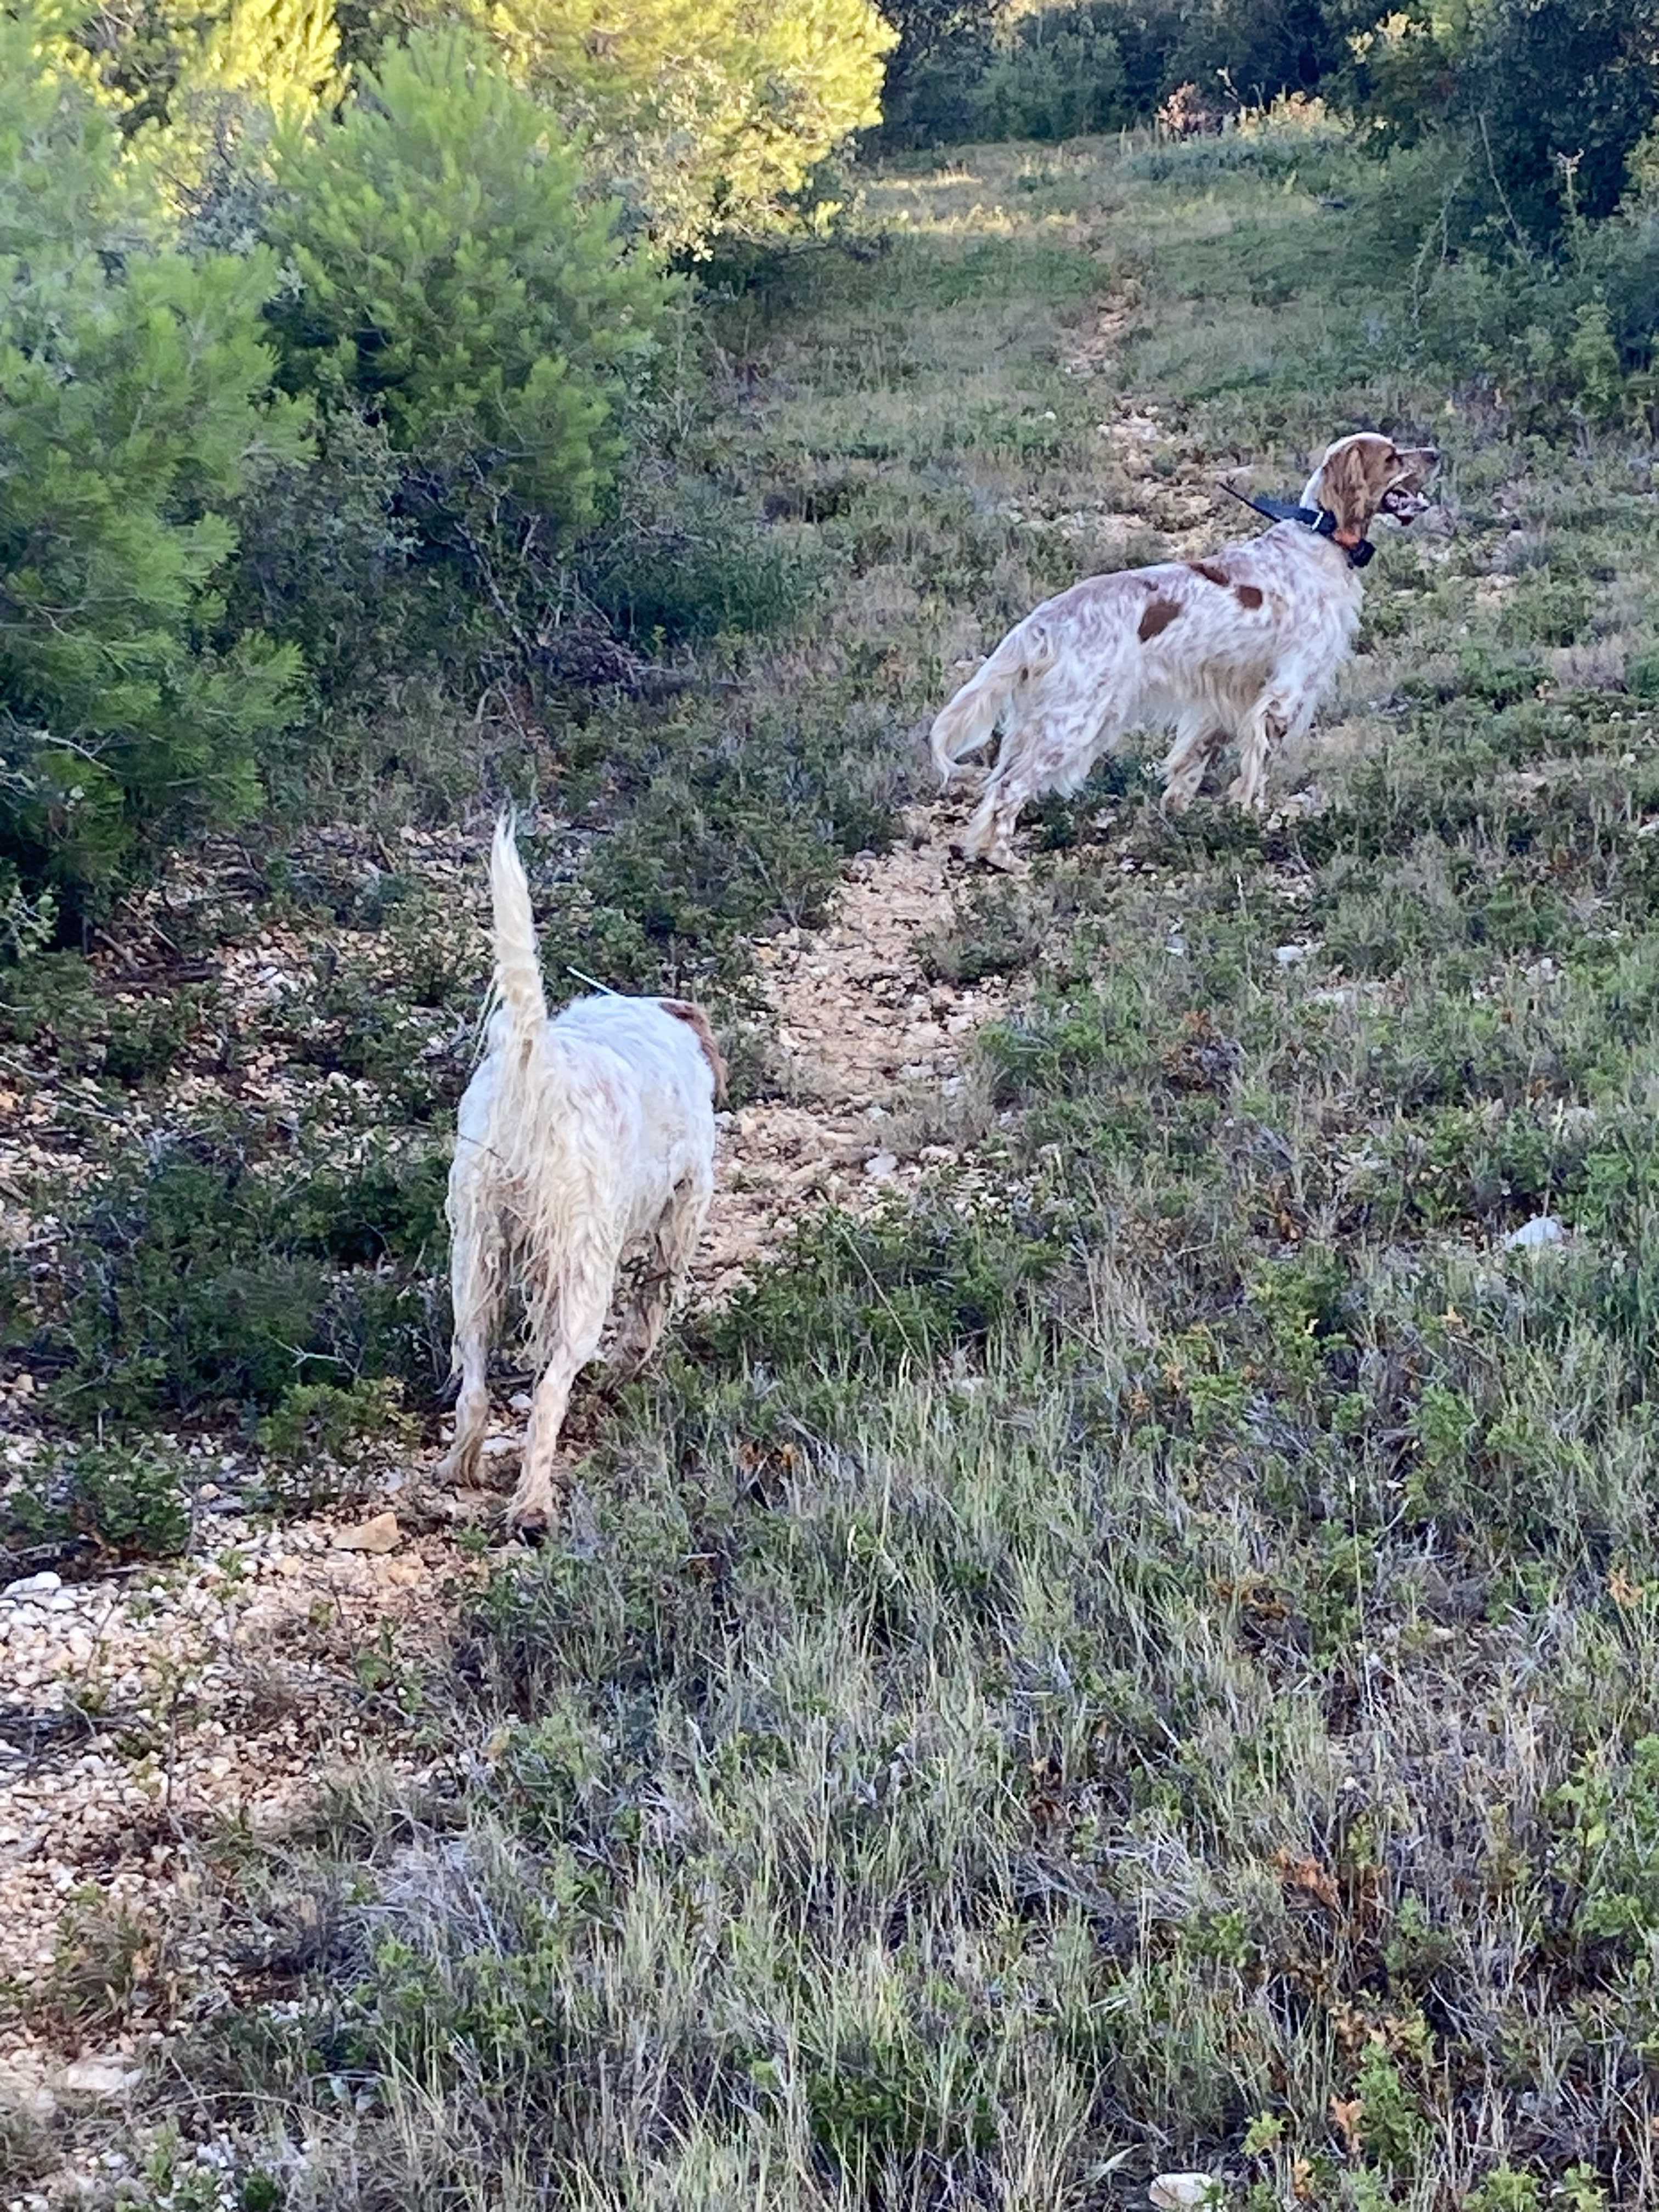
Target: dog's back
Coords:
[(582, 1138), (666, 1038), (665, 1045), (613, 1096)]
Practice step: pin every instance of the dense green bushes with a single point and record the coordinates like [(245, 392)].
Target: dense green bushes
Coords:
[(247, 494), (1539, 108), (203, 1278), (450, 279), (138, 408), (1056, 74), (1005, 71)]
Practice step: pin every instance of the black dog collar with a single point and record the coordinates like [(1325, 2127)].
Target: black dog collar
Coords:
[(1319, 520)]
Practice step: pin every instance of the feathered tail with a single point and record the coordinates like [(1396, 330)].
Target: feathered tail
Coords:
[(964, 724), (517, 968)]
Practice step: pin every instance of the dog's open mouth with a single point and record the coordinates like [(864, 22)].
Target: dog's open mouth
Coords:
[(1403, 506)]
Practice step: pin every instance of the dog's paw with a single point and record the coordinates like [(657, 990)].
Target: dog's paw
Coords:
[(1005, 861), (459, 1468)]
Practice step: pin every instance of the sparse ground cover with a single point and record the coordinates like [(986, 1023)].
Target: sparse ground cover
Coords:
[(1137, 1653)]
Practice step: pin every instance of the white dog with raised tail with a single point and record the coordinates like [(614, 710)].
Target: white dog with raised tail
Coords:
[(583, 1140)]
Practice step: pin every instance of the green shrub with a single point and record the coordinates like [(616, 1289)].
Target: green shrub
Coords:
[(319, 1442), (112, 1500), (135, 405), (738, 827), (1547, 102), (198, 1278), (454, 282), (323, 561), (898, 1290), (683, 559), (1060, 76)]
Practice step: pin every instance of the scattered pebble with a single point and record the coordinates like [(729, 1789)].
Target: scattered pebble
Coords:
[(1532, 1235), (1172, 2192), (99, 2081), (33, 1586), (382, 1533)]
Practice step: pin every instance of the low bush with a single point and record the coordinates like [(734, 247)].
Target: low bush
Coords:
[(102, 1502), (137, 409), (205, 1278), (873, 1297)]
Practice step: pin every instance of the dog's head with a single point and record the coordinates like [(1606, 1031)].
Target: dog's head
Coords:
[(683, 1010), (1367, 475)]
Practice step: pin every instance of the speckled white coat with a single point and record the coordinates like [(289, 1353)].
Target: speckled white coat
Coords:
[(1239, 648)]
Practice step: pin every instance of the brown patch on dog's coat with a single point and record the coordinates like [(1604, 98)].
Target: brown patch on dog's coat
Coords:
[(1157, 617), (1210, 573), (1249, 595), (696, 1021)]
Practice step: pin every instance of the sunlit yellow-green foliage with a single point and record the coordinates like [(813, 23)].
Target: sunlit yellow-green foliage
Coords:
[(702, 112), (452, 277), (197, 88)]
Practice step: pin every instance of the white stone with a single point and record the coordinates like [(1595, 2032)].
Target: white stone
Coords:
[(33, 1586), (1531, 1237), (100, 2080), (880, 1165), (1172, 2192), (1289, 955)]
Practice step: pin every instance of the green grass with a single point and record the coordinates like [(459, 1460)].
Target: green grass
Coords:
[(1158, 1669)]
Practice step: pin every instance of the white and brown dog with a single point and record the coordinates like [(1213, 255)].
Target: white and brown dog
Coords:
[(1241, 646), (583, 1140)]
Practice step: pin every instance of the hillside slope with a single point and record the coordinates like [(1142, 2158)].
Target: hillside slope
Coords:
[(1135, 1653)]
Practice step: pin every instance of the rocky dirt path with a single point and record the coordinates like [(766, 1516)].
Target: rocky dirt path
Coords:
[(144, 1713), (859, 1025)]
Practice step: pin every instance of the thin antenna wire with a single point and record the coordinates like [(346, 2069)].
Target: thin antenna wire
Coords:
[(593, 982)]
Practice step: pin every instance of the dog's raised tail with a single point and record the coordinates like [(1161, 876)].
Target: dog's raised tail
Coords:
[(517, 966), (965, 722)]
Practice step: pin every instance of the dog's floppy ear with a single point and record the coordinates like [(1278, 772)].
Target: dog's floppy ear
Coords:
[(696, 1021), (1352, 484)]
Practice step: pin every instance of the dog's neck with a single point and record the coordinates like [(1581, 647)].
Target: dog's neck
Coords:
[(1319, 520)]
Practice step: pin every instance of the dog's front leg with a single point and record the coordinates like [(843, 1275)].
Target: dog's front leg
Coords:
[(674, 1245), (1196, 745), (1266, 727)]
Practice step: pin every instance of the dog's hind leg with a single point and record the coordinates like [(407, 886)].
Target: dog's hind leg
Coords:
[(1054, 755), (673, 1246), (584, 1298), (1197, 742), (478, 1271)]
